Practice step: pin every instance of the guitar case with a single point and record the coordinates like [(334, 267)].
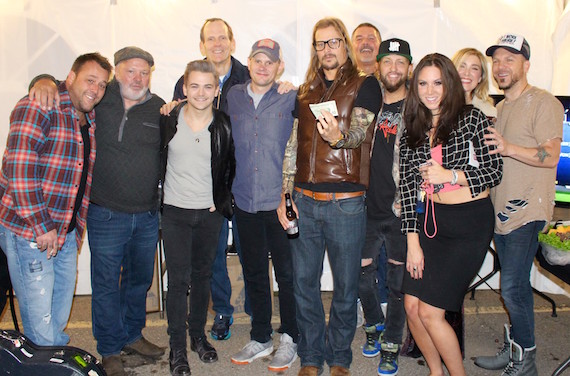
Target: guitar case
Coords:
[(21, 357)]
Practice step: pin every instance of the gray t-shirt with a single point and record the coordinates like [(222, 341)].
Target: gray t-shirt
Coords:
[(188, 181), (255, 97), (526, 193)]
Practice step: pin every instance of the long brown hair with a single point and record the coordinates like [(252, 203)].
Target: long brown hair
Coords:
[(315, 65), (418, 118)]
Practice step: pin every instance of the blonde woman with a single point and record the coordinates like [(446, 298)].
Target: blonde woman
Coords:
[(471, 65)]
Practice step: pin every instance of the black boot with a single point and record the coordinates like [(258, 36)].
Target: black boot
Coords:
[(179, 363), (205, 350)]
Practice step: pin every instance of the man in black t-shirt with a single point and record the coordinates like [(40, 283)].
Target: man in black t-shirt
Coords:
[(383, 222)]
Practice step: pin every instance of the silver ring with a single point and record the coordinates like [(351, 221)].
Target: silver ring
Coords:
[(415, 269)]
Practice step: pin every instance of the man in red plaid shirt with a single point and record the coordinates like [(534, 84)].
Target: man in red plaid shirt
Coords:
[(44, 193)]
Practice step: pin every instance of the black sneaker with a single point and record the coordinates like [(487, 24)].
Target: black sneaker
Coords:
[(221, 328)]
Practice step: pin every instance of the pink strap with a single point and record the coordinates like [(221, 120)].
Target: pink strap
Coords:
[(429, 197)]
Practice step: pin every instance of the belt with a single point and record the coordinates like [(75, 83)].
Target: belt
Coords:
[(328, 196)]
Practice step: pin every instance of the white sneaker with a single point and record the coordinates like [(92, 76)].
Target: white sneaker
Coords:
[(285, 355), (252, 351)]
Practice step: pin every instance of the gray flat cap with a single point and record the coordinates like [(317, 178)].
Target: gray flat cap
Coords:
[(132, 52)]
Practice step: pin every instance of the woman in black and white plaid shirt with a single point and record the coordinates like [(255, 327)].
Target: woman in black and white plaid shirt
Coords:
[(446, 172)]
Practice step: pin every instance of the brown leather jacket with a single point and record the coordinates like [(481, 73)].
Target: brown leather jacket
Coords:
[(317, 161)]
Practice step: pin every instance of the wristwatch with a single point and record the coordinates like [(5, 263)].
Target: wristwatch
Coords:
[(454, 177), (338, 143)]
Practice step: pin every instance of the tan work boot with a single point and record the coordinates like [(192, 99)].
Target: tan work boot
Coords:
[(144, 348), (113, 365), (339, 371), (309, 371)]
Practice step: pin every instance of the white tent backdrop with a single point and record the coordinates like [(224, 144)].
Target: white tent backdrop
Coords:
[(45, 36)]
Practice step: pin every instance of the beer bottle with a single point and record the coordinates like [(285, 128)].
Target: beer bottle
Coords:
[(293, 228)]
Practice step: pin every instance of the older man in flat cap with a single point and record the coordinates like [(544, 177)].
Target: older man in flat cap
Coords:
[(122, 220)]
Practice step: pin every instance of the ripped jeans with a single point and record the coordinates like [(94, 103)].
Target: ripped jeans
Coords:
[(44, 288)]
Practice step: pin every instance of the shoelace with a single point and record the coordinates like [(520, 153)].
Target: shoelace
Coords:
[(285, 348), (429, 197), (512, 368), (503, 350), (255, 346), (388, 356), (371, 338)]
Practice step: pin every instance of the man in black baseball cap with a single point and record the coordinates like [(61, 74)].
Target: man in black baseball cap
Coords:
[(383, 221), (394, 46)]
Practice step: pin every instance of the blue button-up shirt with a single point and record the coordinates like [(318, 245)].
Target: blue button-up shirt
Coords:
[(260, 136)]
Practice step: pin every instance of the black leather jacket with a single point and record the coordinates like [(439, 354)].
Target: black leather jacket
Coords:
[(223, 158)]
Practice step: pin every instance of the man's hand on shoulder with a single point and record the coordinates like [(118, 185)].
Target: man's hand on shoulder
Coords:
[(168, 107), (45, 93), (285, 87)]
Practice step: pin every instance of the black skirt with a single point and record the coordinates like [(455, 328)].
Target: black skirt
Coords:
[(455, 255)]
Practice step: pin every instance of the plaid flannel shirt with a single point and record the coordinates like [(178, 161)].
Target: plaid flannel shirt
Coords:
[(455, 154), (41, 169)]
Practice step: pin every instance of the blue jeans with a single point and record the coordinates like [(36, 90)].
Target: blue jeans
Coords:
[(44, 287), (123, 247), (516, 252), (220, 284), (339, 226)]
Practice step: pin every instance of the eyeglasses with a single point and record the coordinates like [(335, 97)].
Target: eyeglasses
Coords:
[(333, 43)]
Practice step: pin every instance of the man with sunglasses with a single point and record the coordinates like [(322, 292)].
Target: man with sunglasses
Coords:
[(326, 169)]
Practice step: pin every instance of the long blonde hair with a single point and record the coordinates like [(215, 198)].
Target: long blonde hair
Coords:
[(481, 91), (314, 65)]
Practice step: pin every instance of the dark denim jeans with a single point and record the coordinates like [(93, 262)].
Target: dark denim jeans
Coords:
[(220, 284), (516, 251), (379, 234), (190, 239), (381, 271), (339, 227), (262, 233), (123, 248)]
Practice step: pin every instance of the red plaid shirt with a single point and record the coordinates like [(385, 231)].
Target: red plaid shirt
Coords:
[(41, 169)]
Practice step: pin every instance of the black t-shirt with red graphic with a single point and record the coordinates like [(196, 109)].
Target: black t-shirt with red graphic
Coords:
[(382, 189)]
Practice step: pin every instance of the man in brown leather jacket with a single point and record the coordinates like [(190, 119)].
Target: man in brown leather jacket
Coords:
[(326, 167)]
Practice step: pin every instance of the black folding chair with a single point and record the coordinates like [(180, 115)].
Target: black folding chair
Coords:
[(6, 289)]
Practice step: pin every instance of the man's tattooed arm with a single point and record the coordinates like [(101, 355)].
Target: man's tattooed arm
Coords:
[(360, 120), (290, 160), (542, 154)]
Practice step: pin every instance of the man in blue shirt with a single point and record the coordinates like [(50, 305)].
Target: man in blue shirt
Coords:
[(262, 121)]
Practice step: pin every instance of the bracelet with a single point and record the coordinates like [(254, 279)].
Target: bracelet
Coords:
[(454, 178), (335, 143)]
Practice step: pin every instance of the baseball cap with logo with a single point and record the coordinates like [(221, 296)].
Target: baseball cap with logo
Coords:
[(267, 46), (516, 44), (394, 46)]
